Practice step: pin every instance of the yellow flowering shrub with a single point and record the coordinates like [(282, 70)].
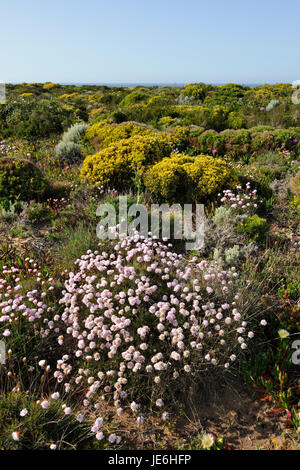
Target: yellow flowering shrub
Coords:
[(105, 134), (96, 112), (180, 136), (48, 86), (68, 96), (26, 95), (188, 179), (166, 121), (117, 164)]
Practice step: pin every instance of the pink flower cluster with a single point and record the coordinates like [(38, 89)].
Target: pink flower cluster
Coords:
[(137, 316), (242, 201), (6, 148), (17, 302)]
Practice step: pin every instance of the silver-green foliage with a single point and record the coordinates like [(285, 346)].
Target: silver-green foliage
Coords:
[(68, 150)]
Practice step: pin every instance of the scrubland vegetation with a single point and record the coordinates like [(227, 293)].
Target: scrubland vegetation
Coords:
[(133, 343)]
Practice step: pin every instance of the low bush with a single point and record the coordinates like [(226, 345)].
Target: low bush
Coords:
[(32, 119), (104, 134), (245, 142), (143, 323), (68, 150), (255, 228), (188, 179), (21, 179), (134, 97), (118, 164)]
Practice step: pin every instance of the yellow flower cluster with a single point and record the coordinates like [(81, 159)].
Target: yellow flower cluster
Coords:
[(188, 179), (68, 96), (105, 134), (48, 86), (117, 164)]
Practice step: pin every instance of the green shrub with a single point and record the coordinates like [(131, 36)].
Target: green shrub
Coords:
[(20, 178), (197, 91), (226, 95), (68, 150), (245, 142), (236, 120), (32, 119), (133, 98), (255, 228)]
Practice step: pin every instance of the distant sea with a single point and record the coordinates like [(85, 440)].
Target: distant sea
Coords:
[(134, 85)]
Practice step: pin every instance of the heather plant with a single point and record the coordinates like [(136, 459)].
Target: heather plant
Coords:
[(197, 91), (242, 143), (134, 97)]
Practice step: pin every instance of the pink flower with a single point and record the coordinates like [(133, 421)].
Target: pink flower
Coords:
[(214, 151), (31, 202)]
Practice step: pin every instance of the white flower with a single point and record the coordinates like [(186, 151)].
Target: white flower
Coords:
[(133, 406), (24, 412), (112, 438), (140, 419), (207, 441), (15, 435), (53, 446), (45, 404), (283, 333)]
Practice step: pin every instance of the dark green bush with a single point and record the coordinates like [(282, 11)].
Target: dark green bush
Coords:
[(20, 178), (33, 119)]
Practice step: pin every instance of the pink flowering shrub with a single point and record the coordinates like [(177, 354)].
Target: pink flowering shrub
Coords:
[(139, 320), (22, 296), (25, 303), (28, 326), (242, 201)]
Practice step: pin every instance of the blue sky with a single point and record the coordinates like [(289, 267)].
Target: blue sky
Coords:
[(143, 41)]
